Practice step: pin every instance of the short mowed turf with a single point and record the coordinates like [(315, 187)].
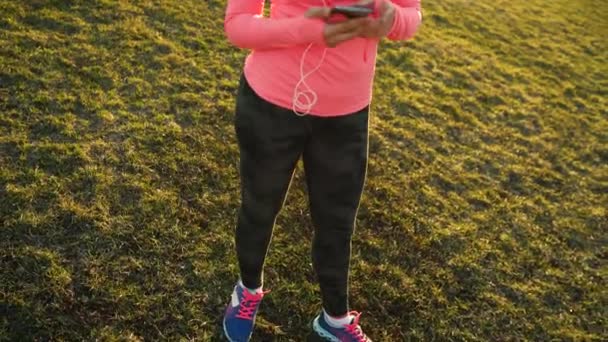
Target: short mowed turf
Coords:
[(485, 213)]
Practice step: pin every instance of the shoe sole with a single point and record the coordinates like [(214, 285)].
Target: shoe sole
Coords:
[(319, 334), (226, 331)]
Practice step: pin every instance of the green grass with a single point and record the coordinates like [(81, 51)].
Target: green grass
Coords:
[(485, 214)]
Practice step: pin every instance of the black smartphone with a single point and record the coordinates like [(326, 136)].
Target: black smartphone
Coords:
[(352, 11)]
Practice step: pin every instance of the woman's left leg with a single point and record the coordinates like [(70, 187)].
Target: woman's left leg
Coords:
[(335, 162)]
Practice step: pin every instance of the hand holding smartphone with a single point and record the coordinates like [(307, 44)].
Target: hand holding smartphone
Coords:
[(342, 22)]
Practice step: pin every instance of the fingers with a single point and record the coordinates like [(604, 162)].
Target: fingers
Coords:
[(318, 12), (343, 33), (388, 16), (342, 37), (340, 32), (350, 25), (387, 7), (371, 29), (365, 2), (384, 18), (380, 27)]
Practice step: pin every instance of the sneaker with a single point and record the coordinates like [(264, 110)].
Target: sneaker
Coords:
[(239, 317), (348, 333)]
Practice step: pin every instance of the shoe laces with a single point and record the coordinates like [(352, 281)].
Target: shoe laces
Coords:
[(249, 304), (354, 329)]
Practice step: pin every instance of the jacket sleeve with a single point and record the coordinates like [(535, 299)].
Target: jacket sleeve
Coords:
[(408, 17), (246, 27)]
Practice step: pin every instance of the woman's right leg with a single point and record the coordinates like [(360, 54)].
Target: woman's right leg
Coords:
[(271, 140)]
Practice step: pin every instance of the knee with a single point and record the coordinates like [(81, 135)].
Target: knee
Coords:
[(259, 212), (334, 222)]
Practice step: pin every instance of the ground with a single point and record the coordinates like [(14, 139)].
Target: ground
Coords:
[(485, 211)]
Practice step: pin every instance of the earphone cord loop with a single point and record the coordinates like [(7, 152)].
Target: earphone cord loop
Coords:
[(309, 96)]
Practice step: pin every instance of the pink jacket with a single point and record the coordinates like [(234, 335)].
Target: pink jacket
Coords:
[(343, 82)]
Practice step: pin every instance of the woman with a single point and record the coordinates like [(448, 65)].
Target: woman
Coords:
[(305, 92)]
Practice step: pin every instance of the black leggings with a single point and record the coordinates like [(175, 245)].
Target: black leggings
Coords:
[(334, 150)]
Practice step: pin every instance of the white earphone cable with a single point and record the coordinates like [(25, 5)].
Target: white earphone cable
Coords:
[(308, 95), (304, 99)]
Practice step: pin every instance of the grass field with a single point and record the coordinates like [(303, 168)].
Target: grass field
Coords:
[(485, 216)]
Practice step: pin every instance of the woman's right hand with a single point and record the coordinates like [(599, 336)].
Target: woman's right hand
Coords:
[(337, 33)]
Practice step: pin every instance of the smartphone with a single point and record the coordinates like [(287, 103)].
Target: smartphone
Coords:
[(356, 11)]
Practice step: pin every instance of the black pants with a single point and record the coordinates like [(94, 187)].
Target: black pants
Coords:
[(334, 150)]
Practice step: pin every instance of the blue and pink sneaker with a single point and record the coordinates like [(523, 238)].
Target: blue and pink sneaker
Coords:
[(348, 333), (239, 317)]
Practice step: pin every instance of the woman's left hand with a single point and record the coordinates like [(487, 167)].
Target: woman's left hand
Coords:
[(381, 26)]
